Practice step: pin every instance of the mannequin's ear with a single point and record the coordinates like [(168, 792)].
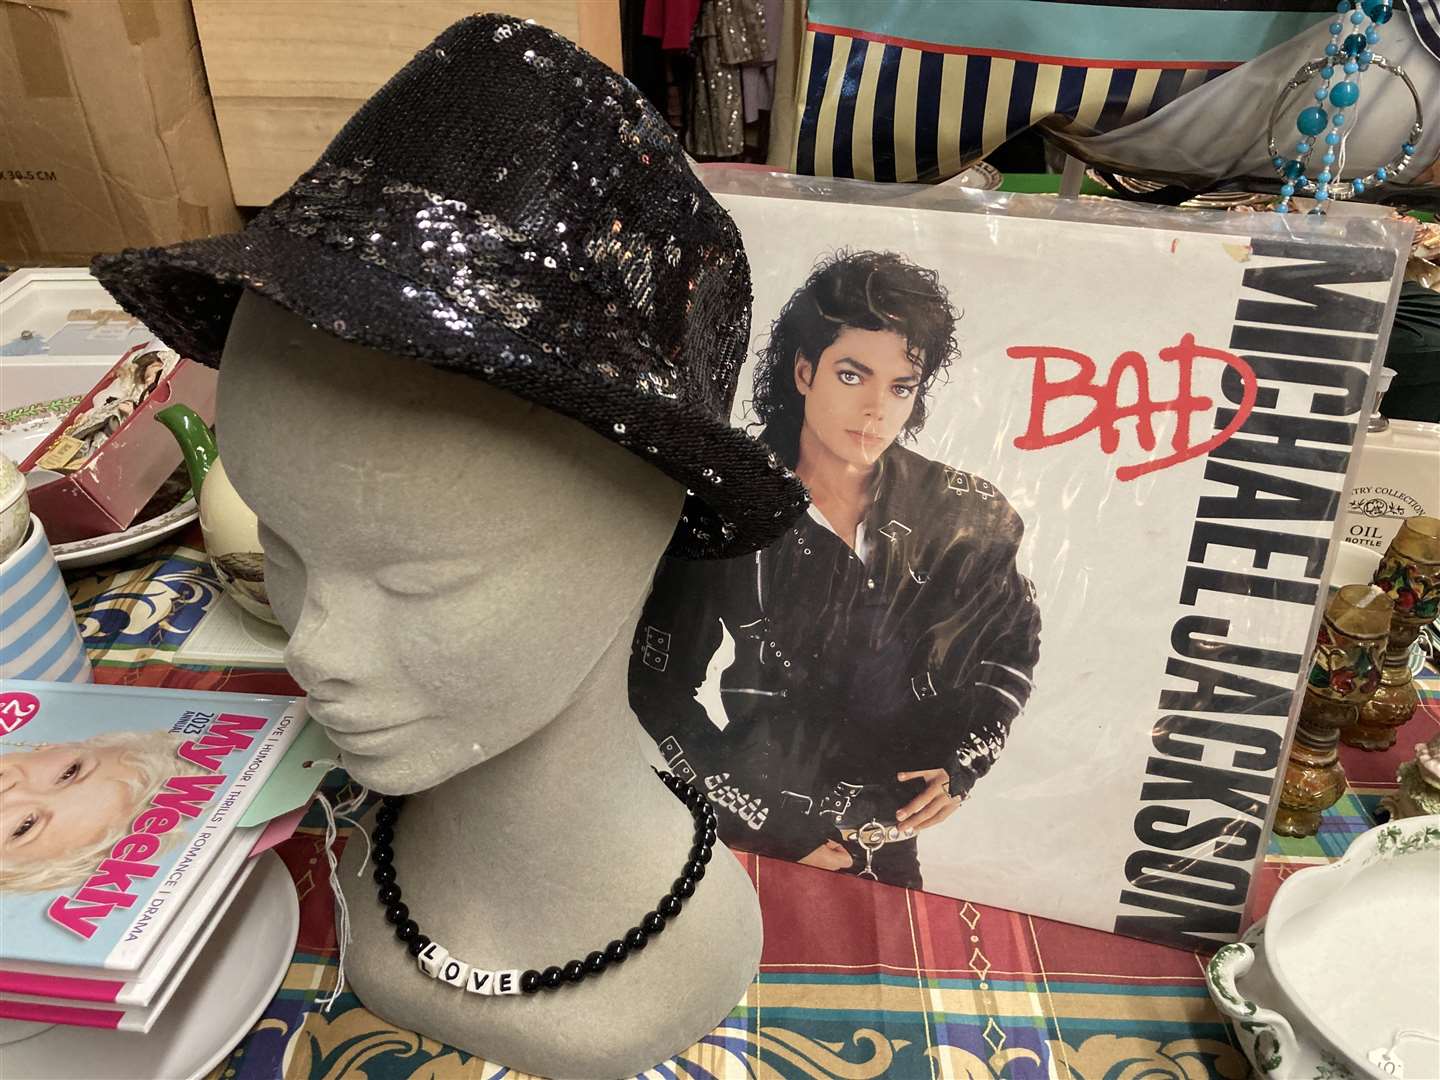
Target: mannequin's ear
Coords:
[(804, 373)]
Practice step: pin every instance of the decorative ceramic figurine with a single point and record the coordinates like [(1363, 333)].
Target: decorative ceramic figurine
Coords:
[(1410, 574), (1345, 671), (14, 508), (232, 532), (1419, 791), (1281, 986)]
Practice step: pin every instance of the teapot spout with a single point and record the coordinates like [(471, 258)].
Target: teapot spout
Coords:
[(196, 442)]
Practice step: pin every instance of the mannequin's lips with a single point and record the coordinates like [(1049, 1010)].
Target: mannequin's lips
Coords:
[(354, 733)]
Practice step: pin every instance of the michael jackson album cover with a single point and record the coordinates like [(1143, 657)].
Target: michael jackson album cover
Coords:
[(1075, 485)]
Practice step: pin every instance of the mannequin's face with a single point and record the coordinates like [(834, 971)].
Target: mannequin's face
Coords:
[(449, 560)]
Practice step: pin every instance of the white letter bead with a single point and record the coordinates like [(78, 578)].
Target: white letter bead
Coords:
[(507, 982), (480, 981), (431, 957), (454, 972)]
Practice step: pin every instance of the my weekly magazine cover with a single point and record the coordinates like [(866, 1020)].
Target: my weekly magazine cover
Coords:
[(113, 805)]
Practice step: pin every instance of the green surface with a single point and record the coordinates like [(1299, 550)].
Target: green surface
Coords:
[(291, 784), (1046, 184)]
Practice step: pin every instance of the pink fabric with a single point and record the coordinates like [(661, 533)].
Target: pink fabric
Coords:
[(672, 21)]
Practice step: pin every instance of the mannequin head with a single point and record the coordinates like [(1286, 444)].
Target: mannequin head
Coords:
[(451, 562)]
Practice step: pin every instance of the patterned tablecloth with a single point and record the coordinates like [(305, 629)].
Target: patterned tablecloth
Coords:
[(857, 980)]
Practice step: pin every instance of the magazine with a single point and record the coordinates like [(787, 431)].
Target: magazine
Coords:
[(137, 1005), (115, 804), (185, 936), (1075, 475)]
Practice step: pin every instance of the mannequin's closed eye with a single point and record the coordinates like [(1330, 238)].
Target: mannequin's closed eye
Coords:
[(425, 578)]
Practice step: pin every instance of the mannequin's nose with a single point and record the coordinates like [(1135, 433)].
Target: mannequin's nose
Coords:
[(311, 655)]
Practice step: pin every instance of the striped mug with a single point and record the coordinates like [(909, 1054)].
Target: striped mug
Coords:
[(39, 637)]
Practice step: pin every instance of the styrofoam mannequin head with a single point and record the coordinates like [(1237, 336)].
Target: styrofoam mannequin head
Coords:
[(450, 560)]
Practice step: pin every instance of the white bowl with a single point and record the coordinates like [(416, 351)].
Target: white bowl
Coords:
[(1342, 978)]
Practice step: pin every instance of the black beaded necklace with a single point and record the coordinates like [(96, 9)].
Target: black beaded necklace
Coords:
[(435, 960)]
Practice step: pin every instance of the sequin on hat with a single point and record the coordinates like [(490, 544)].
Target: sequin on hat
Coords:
[(509, 208)]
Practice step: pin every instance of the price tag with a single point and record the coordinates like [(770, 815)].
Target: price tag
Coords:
[(59, 455), (1387, 1063)]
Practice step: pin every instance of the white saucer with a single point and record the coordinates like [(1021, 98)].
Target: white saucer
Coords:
[(138, 537), (233, 980)]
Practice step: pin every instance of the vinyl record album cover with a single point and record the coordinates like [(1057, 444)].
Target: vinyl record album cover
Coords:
[(1076, 475)]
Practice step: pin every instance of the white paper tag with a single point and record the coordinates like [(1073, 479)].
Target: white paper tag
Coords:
[(1388, 1062)]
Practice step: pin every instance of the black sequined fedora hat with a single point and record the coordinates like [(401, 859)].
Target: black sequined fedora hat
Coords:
[(508, 208)]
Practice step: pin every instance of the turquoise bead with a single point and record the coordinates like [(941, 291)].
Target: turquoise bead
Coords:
[(1338, 119), (1357, 16), (1278, 162), (1345, 94), (1332, 49), (1409, 148), (1378, 10), (1329, 158), (1287, 190), (1336, 27), (1343, 6), (1302, 148), (1365, 58), (1380, 173), (1321, 94), (1326, 72), (1311, 121), (1281, 208), (1333, 138), (1351, 67), (1355, 44), (1324, 176), (1359, 186), (1372, 36), (1293, 169), (1321, 195)]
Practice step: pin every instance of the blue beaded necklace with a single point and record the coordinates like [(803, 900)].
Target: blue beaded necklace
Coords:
[(1324, 124)]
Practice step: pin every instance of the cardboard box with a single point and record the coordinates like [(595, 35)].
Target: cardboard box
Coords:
[(285, 76), (120, 477), (107, 136)]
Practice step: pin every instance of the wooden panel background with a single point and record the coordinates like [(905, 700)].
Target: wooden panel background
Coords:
[(285, 75)]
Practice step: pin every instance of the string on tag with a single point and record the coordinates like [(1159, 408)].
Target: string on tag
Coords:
[(334, 813), (1388, 1061)]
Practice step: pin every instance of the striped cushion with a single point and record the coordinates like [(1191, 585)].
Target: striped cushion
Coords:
[(39, 637), (920, 90)]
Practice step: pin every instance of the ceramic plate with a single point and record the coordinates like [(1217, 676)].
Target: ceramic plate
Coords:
[(980, 176), (99, 549), (25, 428), (224, 993)]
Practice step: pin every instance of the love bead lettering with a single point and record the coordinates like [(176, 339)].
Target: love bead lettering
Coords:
[(1106, 411)]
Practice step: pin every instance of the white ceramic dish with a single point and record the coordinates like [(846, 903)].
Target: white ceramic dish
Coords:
[(224, 993), (1341, 980), (143, 534)]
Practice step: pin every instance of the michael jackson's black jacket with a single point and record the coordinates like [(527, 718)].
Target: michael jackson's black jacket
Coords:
[(844, 673)]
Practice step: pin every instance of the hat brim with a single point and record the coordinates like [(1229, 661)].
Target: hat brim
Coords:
[(739, 497)]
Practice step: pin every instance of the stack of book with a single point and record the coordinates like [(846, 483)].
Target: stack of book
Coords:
[(121, 847)]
